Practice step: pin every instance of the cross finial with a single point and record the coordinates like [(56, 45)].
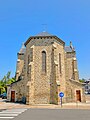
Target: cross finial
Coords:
[(71, 46), (44, 27)]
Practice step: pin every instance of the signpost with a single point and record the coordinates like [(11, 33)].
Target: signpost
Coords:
[(61, 95)]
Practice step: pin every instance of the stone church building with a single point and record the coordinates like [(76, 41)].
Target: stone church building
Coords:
[(46, 67)]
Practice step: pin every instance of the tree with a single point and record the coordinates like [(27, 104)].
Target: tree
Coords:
[(82, 80), (6, 80)]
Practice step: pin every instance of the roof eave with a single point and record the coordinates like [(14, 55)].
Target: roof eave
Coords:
[(20, 53), (70, 52), (59, 40), (43, 37)]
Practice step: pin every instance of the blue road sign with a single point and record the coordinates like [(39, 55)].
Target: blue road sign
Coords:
[(61, 94)]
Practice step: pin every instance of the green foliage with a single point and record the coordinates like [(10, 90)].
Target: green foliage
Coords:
[(6, 80), (82, 80), (11, 80)]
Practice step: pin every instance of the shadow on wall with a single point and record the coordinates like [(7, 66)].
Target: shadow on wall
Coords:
[(23, 100)]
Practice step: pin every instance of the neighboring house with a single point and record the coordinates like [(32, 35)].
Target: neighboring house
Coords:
[(46, 67), (87, 87)]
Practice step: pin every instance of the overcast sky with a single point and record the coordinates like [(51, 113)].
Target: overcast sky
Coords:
[(20, 19)]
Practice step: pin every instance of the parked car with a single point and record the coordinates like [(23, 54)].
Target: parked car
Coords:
[(4, 96), (86, 92), (1, 95)]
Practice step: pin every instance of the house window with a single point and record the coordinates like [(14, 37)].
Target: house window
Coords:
[(43, 61), (86, 87), (60, 63)]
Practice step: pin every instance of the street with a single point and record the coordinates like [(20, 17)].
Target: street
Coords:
[(54, 114), (49, 114), (69, 111)]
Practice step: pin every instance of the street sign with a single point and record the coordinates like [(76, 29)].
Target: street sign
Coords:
[(61, 94)]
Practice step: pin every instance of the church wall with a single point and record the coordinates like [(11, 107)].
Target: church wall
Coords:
[(29, 75), (20, 65), (71, 66), (43, 81), (18, 87), (60, 76), (43, 87), (72, 87), (72, 73)]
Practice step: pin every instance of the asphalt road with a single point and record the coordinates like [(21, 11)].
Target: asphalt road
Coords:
[(54, 114)]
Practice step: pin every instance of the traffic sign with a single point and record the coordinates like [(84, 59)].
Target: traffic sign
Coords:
[(61, 94)]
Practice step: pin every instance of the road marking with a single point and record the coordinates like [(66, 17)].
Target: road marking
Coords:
[(6, 117), (17, 110), (10, 114)]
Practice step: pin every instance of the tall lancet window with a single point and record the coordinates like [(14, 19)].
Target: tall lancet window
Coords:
[(60, 70), (43, 61), (73, 77), (31, 54), (28, 64)]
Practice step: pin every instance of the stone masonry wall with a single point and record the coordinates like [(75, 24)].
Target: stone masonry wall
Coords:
[(72, 73), (20, 65), (44, 85)]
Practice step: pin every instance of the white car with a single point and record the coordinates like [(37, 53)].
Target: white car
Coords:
[(86, 92)]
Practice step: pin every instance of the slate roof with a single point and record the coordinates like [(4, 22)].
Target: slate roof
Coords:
[(69, 49), (22, 50), (44, 33)]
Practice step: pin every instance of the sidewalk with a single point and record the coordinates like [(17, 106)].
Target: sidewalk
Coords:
[(9, 105), (64, 106)]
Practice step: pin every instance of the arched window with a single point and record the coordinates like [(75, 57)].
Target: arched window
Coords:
[(73, 76), (30, 72), (28, 64), (31, 54), (60, 63), (28, 59), (43, 61)]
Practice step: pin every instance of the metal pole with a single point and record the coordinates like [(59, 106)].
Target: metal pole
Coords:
[(61, 102)]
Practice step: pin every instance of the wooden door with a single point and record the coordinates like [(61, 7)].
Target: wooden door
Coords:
[(12, 96), (78, 95)]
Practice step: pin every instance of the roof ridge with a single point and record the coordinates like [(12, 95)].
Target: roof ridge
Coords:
[(22, 50), (44, 33)]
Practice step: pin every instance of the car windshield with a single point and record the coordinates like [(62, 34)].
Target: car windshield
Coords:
[(4, 94)]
